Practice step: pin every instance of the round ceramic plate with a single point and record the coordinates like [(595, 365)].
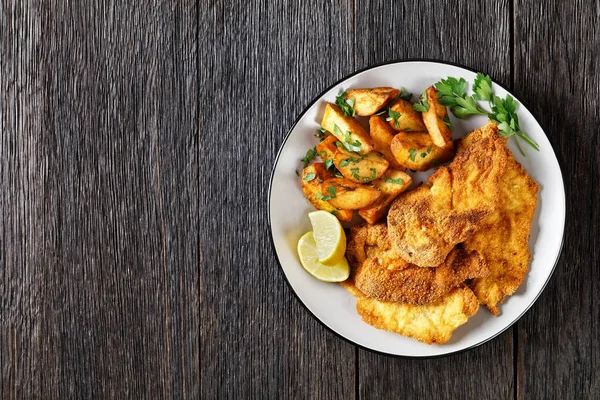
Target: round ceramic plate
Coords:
[(330, 303)]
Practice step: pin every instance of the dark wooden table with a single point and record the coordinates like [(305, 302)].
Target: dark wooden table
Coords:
[(136, 145)]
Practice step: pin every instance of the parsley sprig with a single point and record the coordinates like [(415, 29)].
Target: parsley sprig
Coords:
[(347, 143), (347, 105), (452, 94)]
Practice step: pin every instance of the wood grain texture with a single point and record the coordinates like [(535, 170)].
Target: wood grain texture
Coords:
[(557, 71), (260, 65), (476, 35), (98, 275)]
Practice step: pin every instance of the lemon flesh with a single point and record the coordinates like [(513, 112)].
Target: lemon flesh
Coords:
[(329, 236), (335, 272)]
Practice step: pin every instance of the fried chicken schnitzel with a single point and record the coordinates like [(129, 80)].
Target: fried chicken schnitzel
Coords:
[(432, 323), (380, 273), (503, 239), (427, 222)]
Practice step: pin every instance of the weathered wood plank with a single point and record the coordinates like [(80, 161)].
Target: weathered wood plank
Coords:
[(475, 34), (99, 265), (260, 64), (557, 71)]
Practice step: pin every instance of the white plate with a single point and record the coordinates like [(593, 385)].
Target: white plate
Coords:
[(333, 305)]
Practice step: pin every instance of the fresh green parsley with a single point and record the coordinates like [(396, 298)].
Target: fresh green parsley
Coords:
[(482, 86), (422, 105), (337, 174), (355, 174), (310, 176), (332, 194), (398, 181), (311, 154), (328, 163), (448, 123), (335, 212), (373, 175), (347, 143), (345, 105), (323, 154), (423, 155), (452, 94), (394, 116), (405, 95), (321, 132), (413, 154)]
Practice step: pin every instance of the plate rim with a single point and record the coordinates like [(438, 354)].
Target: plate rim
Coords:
[(272, 240)]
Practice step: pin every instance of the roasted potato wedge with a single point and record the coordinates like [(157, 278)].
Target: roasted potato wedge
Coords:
[(435, 119), (347, 195), (360, 168), (391, 184), (369, 101), (312, 178), (409, 120), (416, 151), (382, 136), (327, 148), (347, 129)]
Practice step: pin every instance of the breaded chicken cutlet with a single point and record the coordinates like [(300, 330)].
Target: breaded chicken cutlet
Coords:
[(427, 222), (380, 273)]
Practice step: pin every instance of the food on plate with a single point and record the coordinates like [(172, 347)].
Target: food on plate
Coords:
[(503, 240), (346, 129), (427, 222), (346, 195), (404, 118), (329, 235), (327, 148), (337, 271), (380, 273), (416, 151), (312, 177), (431, 323), (369, 101), (391, 184), (436, 119), (360, 168), (382, 136), (424, 258)]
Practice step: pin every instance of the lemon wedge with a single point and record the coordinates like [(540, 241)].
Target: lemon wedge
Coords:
[(329, 236), (307, 250)]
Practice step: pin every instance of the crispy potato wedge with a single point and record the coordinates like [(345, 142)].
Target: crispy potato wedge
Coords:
[(391, 184), (382, 135), (327, 148), (435, 119), (416, 151), (360, 168), (348, 131), (410, 120), (348, 195), (312, 186), (369, 101)]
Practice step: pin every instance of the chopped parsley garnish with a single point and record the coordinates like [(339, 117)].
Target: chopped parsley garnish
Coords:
[(311, 154), (422, 105), (331, 190), (398, 181), (310, 176), (321, 133), (373, 175), (345, 105), (394, 116), (335, 212), (337, 174), (323, 154), (347, 143), (405, 95), (355, 174), (448, 123), (297, 173), (328, 163), (413, 154)]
